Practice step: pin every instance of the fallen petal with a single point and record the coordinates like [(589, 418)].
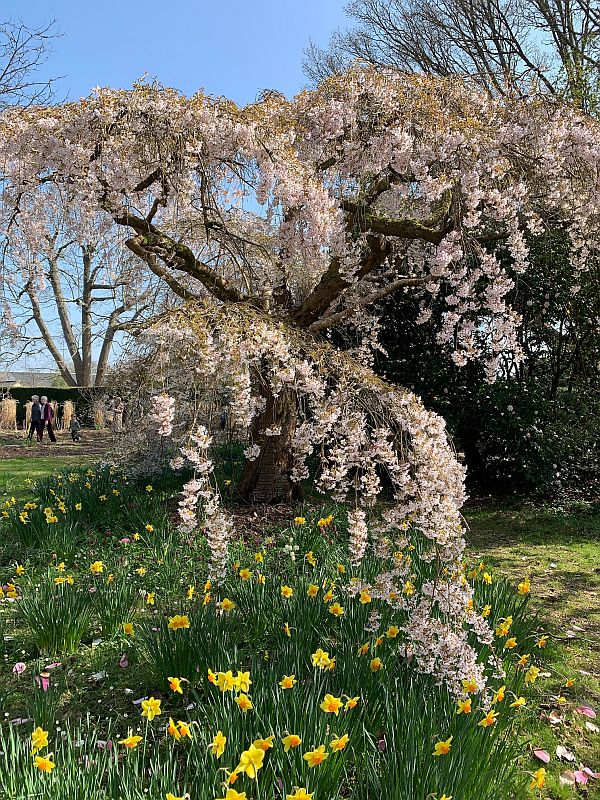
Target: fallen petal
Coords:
[(587, 710), (567, 778), (564, 754), (542, 755)]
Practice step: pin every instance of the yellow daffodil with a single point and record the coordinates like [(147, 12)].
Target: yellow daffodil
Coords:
[(522, 662), (141, 571), (510, 643), (311, 558), (320, 659), (375, 664), (149, 528), (392, 632), (316, 756), (364, 649), (243, 682), (44, 764), (175, 684), (487, 610), (339, 743), (300, 794), (128, 629), (225, 681), (336, 609), (292, 740), (227, 604), (351, 703), (464, 706), (531, 674), (443, 748), (244, 702), (19, 569), (264, 744), (287, 592), (489, 719), (288, 682), (365, 597), (230, 794), (97, 567), (173, 730), (184, 729), (39, 740), (179, 621), (150, 598), (217, 746), (259, 558), (151, 708), (518, 703), (130, 741), (299, 520), (524, 587), (331, 704), (328, 596), (251, 761), (539, 779), (487, 578), (542, 641), (470, 686), (245, 574), (312, 590), (341, 569), (499, 695)]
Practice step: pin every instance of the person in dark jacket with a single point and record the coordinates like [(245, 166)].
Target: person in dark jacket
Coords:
[(47, 417), (36, 422), (75, 427)]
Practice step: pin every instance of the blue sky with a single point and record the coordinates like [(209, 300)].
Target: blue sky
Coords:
[(228, 47)]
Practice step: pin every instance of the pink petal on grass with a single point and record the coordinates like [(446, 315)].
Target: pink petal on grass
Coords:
[(564, 754), (580, 776), (591, 727), (587, 710), (542, 755), (589, 772), (19, 668), (123, 661)]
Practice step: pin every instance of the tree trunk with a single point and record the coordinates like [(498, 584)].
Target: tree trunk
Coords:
[(267, 478)]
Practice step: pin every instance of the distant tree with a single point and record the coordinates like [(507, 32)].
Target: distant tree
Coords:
[(71, 288), (23, 51), (502, 45)]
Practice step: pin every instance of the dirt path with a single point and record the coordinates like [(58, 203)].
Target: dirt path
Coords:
[(94, 444)]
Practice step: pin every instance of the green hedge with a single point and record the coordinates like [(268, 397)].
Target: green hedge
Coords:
[(81, 396)]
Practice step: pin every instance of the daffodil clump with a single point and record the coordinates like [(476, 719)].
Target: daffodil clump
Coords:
[(291, 679)]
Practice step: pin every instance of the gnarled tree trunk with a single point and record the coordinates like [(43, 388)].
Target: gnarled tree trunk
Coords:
[(267, 479)]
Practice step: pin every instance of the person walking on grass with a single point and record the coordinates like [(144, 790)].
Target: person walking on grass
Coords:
[(36, 424), (47, 417)]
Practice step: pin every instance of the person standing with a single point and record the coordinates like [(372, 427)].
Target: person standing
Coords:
[(117, 421), (36, 424), (47, 417)]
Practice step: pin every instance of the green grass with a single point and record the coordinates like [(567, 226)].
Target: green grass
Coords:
[(17, 474), (559, 547)]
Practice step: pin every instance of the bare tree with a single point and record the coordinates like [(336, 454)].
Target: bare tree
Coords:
[(70, 297), (23, 51), (549, 45)]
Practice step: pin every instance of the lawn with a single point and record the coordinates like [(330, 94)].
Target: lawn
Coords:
[(558, 548)]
